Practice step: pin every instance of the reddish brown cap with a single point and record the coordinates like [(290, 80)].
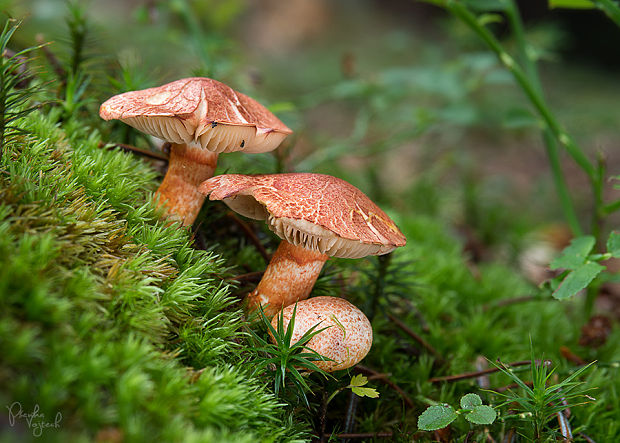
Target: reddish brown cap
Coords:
[(200, 112), (316, 211)]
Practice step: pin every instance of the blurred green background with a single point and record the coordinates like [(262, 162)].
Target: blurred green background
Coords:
[(396, 85)]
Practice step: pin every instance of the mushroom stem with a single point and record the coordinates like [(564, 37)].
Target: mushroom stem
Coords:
[(290, 276), (188, 167)]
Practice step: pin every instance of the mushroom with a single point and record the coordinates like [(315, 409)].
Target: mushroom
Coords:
[(316, 216), (346, 339), (201, 118)]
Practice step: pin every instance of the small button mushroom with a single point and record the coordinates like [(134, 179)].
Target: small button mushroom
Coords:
[(316, 216), (201, 118), (346, 340)]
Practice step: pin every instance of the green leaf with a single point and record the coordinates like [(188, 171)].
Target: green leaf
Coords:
[(577, 280), (358, 380), (574, 255), (365, 392), (470, 401), (571, 4), (436, 417), (482, 415), (613, 244)]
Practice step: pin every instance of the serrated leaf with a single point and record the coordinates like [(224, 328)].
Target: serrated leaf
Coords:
[(577, 280), (470, 401), (574, 255), (358, 380), (365, 392), (436, 417), (482, 415), (571, 4), (613, 244)]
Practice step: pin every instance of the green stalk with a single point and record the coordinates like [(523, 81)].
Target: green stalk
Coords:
[(551, 146), (610, 8), (522, 79)]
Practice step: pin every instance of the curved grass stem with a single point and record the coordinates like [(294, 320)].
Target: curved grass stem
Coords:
[(527, 78)]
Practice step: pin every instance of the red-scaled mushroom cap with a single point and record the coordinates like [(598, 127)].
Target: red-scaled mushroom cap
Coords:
[(200, 112), (316, 211)]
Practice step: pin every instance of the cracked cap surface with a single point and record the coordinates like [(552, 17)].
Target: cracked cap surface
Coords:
[(200, 112), (316, 211)]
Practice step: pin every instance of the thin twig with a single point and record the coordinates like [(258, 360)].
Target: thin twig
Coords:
[(585, 437), (511, 386), (51, 58), (135, 150), (417, 338), (22, 69), (512, 301), (466, 375), (322, 417), (384, 378), (351, 410), (363, 435), (249, 277), (249, 232), (565, 428)]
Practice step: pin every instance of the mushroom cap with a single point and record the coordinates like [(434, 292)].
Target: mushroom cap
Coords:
[(316, 211), (346, 340), (199, 112)]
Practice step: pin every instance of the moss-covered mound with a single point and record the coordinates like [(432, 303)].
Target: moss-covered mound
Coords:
[(108, 316)]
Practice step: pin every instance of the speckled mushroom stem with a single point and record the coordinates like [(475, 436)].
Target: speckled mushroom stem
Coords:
[(290, 276), (188, 167)]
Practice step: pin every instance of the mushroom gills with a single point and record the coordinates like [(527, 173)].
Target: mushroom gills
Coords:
[(232, 138), (219, 138), (311, 236)]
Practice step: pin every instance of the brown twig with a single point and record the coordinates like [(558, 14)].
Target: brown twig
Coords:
[(322, 417), (511, 386), (565, 428), (451, 378), (249, 232), (22, 68), (510, 436), (52, 59), (144, 152), (585, 437), (351, 410), (417, 338), (363, 435), (571, 356), (512, 301), (384, 378), (249, 277)]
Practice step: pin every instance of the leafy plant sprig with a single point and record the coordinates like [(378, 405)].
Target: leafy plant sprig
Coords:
[(358, 387), (580, 266), (285, 357), (537, 404), (441, 415), (14, 101)]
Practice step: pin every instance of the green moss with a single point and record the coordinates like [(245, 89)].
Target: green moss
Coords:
[(108, 315)]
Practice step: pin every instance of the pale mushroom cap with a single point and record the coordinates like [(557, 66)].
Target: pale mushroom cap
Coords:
[(346, 340), (316, 211), (199, 112)]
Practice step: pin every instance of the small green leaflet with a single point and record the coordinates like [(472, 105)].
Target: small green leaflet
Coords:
[(356, 386), (470, 401), (482, 415), (574, 255), (577, 280), (571, 4), (436, 417), (613, 244)]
